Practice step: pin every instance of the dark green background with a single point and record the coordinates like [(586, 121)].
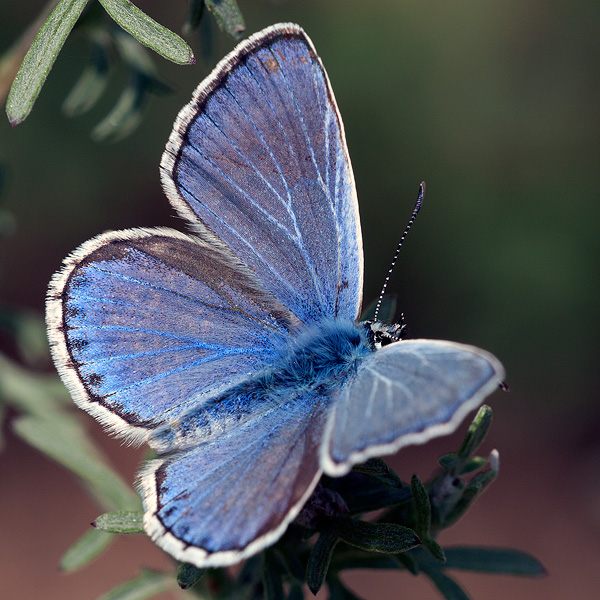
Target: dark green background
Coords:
[(496, 106)]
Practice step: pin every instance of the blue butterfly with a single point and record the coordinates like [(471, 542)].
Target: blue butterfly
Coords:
[(235, 351)]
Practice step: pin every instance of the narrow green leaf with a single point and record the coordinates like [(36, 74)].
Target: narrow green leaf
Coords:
[(389, 538), (194, 18), (365, 493), (353, 558), (228, 16), (448, 462), (379, 469), (92, 543), (319, 560), (373, 466), (188, 575), (39, 59), (296, 592), (338, 591), (124, 117), (471, 492), (94, 79), (422, 506), (477, 432), (408, 562), (435, 549), (292, 560), (271, 578), (446, 585), (64, 440), (121, 522), (29, 392), (148, 32), (423, 518), (472, 464), (146, 585), (493, 560)]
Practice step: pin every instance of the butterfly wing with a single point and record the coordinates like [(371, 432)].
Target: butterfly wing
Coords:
[(224, 500), (144, 324), (406, 393), (258, 159)]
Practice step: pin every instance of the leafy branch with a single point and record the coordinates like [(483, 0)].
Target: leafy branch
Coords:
[(37, 52)]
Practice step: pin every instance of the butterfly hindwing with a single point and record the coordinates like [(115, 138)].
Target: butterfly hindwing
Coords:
[(144, 324), (221, 501), (258, 158), (406, 393)]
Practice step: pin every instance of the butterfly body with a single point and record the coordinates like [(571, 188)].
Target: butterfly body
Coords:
[(235, 351)]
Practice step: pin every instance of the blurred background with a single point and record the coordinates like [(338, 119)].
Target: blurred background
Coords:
[(495, 106)]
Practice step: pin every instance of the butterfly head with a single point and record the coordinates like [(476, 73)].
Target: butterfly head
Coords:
[(381, 334)]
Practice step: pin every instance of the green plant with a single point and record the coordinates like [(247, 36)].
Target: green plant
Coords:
[(126, 33)]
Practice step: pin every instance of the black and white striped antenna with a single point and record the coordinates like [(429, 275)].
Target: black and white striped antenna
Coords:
[(415, 212)]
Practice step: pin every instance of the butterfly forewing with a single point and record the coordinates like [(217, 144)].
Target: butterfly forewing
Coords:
[(259, 159), (145, 324)]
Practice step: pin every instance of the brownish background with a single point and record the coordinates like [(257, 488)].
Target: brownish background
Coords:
[(495, 105)]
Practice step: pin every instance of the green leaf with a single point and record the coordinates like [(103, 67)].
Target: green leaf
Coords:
[(39, 59), (422, 506), (447, 586), (228, 16), (145, 585), (65, 441), (408, 562), (379, 469), (188, 575), (493, 560), (338, 591), (94, 79), (296, 592), (121, 522), (92, 543), (471, 492), (319, 560), (389, 538), (365, 493), (472, 464), (124, 117), (194, 18), (352, 558), (449, 461), (271, 578), (148, 32), (477, 432), (29, 392)]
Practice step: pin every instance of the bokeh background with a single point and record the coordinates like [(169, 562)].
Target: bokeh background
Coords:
[(495, 105)]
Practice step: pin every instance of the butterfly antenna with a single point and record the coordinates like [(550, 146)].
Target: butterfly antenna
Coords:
[(415, 212)]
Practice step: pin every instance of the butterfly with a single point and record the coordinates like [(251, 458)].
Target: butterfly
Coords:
[(234, 351)]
